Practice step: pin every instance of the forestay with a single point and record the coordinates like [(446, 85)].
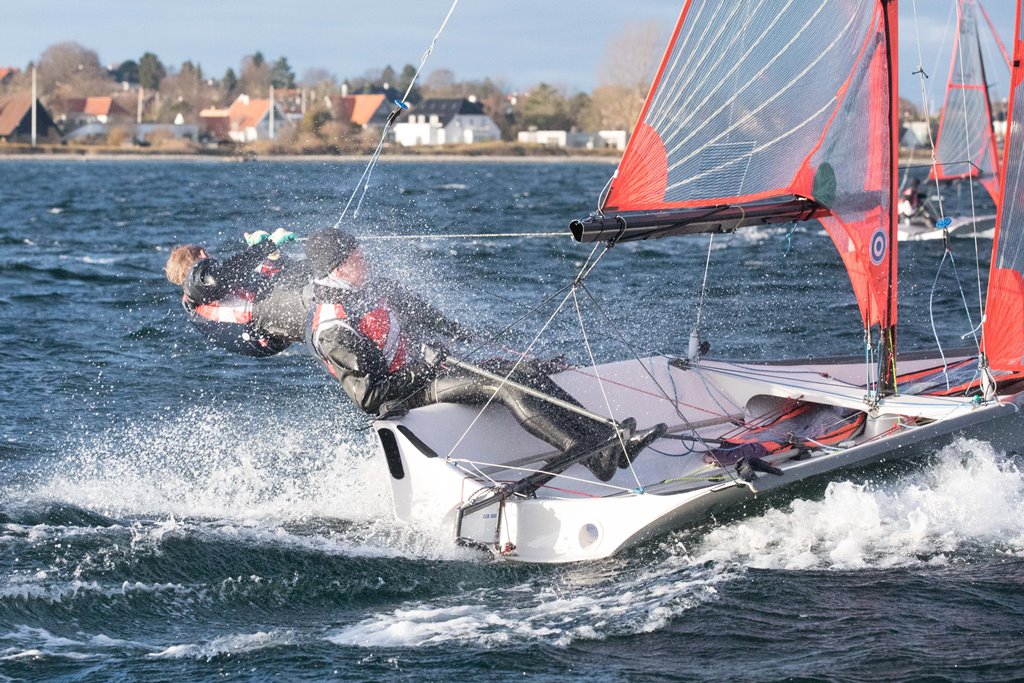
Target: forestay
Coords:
[(1003, 328), (767, 112), (966, 146)]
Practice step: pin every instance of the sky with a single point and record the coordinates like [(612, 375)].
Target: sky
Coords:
[(521, 42)]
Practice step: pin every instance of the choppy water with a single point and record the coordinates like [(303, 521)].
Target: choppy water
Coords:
[(168, 511)]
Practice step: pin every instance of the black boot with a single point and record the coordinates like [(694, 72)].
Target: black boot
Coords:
[(639, 441)]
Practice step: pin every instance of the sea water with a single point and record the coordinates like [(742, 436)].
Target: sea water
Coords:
[(169, 511)]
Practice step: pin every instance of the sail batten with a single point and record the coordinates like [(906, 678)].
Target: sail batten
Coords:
[(761, 106)]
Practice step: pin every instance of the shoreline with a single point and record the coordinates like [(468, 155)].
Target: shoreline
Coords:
[(315, 158)]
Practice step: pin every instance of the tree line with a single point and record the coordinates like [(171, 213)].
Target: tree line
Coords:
[(68, 70)]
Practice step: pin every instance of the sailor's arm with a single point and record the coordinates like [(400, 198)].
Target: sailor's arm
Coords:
[(211, 279), (361, 369)]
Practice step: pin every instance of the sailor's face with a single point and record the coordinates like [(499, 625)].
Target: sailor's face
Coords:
[(353, 270)]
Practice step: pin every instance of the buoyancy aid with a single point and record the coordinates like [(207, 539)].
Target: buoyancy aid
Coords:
[(228, 323), (234, 308), (377, 322)]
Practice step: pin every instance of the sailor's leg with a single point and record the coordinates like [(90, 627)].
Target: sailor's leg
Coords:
[(556, 426)]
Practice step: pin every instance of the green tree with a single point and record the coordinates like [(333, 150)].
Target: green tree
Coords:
[(127, 72), (281, 74), (229, 82), (545, 108), (387, 77), (151, 71), (403, 80), (258, 59)]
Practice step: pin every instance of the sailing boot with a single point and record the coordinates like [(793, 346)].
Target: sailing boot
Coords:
[(639, 441), (603, 463)]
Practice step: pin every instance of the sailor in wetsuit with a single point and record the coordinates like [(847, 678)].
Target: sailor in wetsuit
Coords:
[(371, 337), (252, 303)]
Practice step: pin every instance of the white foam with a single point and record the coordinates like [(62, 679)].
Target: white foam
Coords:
[(226, 645), (972, 498), (570, 607), (43, 643), (259, 478), (69, 590)]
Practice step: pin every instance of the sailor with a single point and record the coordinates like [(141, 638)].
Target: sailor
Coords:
[(252, 303), (381, 343)]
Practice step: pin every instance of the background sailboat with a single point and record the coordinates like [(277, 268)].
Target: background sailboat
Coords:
[(965, 147)]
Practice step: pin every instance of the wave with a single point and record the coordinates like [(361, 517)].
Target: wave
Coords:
[(256, 476), (970, 498)]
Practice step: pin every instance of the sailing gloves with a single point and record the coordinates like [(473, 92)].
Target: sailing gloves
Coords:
[(278, 237)]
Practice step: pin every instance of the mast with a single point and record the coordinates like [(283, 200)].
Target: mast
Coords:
[(887, 371)]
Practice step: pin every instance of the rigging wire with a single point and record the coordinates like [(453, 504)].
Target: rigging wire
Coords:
[(584, 269), (604, 394), (401, 105)]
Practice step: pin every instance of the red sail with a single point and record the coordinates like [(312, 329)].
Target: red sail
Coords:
[(966, 147), (758, 101), (1003, 325)]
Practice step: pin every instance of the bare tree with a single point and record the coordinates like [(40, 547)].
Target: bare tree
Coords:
[(254, 78), (71, 70), (629, 64)]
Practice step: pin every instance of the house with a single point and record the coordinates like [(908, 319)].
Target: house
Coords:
[(7, 74), (291, 102), (16, 120), (548, 138), (446, 122), (251, 119), (214, 125), (616, 139), (365, 111), (83, 111)]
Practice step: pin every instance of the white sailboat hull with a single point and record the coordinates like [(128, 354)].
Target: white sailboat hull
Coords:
[(445, 458)]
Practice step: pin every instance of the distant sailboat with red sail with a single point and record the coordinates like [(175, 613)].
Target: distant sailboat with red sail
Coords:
[(965, 148), (760, 114)]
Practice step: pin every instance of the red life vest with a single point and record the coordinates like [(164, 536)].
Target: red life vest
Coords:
[(234, 308), (380, 325)]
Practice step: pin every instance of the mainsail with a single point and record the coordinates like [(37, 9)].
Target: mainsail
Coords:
[(966, 146), (770, 112), (1003, 325)]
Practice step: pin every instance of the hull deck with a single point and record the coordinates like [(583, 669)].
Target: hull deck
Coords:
[(805, 419)]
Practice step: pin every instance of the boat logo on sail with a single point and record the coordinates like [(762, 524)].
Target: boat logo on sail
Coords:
[(879, 245)]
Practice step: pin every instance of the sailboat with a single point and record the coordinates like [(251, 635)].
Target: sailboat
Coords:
[(760, 113), (965, 148)]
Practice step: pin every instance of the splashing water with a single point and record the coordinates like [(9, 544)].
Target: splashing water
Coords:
[(971, 496)]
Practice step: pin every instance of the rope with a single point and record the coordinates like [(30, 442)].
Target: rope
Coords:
[(600, 384), (922, 77), (584, 269), (931, 316), (364, 179)]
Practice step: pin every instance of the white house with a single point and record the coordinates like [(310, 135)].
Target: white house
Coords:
[(446, 122), (251, 119), (549, 138)]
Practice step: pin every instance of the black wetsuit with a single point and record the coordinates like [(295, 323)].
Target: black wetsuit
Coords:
[(249, 304), (364, 336)]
